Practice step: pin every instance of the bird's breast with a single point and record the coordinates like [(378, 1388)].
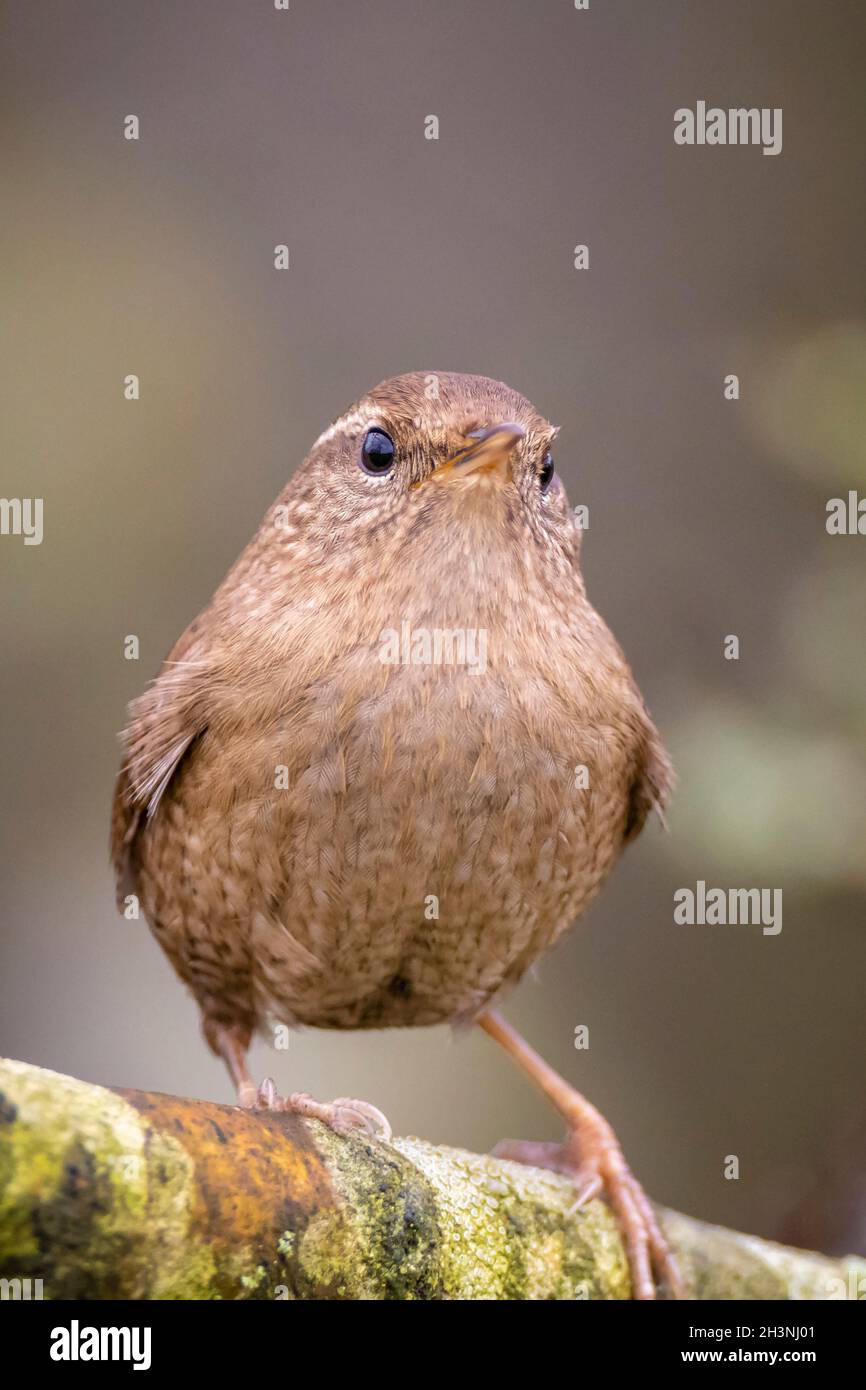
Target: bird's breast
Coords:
[(396, 849)]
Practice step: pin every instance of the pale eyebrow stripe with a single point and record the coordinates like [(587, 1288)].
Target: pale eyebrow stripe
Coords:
[(353, 420)]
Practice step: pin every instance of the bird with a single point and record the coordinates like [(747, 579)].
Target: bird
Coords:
[(394, 759)]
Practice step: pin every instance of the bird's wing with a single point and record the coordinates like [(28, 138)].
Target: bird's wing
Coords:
[(163, 725), (652, 782)]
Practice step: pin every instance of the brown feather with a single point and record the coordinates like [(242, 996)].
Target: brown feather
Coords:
[(289, 805)]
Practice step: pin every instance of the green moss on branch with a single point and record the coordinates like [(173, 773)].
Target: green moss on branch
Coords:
[(125, 1194)]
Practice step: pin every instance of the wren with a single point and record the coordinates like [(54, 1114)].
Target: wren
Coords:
[(292, 796)]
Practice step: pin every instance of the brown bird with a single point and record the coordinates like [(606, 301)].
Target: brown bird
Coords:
[(395, 757)]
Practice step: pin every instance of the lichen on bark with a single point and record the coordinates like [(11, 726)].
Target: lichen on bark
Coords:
[(126, 1194)]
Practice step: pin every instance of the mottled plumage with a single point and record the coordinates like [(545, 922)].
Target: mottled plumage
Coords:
[(289, 804), (305, 900)]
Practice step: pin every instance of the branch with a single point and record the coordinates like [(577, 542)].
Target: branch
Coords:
[(127, 1194)]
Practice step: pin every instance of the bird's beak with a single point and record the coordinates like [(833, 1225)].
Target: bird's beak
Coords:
[(485, 451)]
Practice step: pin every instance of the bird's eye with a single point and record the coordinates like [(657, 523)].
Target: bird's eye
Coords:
[(377, 453), (545, 476)]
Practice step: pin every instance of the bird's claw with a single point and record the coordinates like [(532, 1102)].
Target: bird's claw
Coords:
[(344, 1115), (263, 1097), (598, 1169), (352, 1115), (268, 1097)]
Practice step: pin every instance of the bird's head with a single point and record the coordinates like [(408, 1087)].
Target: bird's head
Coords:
[(445, 463), (435, 499)]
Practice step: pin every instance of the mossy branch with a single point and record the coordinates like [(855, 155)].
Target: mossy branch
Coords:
[(125, 1194)]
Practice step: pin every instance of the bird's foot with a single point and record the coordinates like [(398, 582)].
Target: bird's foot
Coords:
[(345, 1115), (592, 1158)]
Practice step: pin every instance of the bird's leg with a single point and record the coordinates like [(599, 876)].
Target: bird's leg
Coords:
[(591, 1155), (344, 1115), (232, 1042)]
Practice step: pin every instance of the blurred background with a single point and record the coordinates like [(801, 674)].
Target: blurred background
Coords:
[(707, 516)]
